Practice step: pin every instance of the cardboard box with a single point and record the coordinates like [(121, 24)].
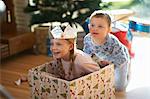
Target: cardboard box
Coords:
[(96, 85), (41, 34), (80, 39)]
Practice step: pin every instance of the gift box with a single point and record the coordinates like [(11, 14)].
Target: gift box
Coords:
[(96, 85), (139, 24)]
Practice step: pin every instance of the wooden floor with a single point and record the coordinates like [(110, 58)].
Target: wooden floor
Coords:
[(12, 68), (138, 88)]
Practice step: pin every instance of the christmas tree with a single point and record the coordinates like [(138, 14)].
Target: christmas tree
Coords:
[(72, 11)]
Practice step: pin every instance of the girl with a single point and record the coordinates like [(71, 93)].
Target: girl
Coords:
[(69, 63), (107, 47)]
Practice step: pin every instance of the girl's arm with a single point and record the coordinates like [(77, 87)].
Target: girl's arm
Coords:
[(85, 63)]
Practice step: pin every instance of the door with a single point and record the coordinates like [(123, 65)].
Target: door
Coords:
[(8, 25)]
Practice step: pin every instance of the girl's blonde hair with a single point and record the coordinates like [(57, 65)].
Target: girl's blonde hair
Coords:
[(61, 70)]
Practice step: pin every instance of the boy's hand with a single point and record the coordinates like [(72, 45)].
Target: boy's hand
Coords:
[(103, 63)]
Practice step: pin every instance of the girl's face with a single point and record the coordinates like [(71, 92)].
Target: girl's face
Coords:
[(61, 48), (99, 27)]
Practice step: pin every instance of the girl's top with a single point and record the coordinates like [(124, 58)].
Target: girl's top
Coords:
[(82, 65)]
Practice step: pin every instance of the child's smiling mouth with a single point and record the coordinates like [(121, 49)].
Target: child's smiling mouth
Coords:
[(95, 33), (56, 53)]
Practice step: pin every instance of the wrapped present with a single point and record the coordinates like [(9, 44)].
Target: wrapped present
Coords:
[(124, 34), (96, 85), (139, 24)]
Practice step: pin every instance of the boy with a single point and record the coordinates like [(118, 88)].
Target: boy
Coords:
[(107, 47)]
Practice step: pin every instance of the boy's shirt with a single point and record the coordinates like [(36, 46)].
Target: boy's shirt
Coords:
[(112, 50)]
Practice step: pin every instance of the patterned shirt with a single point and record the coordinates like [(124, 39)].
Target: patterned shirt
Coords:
[(112, 50)]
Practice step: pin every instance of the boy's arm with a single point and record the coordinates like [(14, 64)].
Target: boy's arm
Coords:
[(120, 57), (101, 62), (86, 47)]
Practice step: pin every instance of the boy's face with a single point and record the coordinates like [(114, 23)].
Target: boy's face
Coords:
[(99, 28), (61, 48)]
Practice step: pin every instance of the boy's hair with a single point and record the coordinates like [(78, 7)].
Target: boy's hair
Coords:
[(100, 14)]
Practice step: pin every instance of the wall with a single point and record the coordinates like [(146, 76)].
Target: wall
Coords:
[(22, 19)]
